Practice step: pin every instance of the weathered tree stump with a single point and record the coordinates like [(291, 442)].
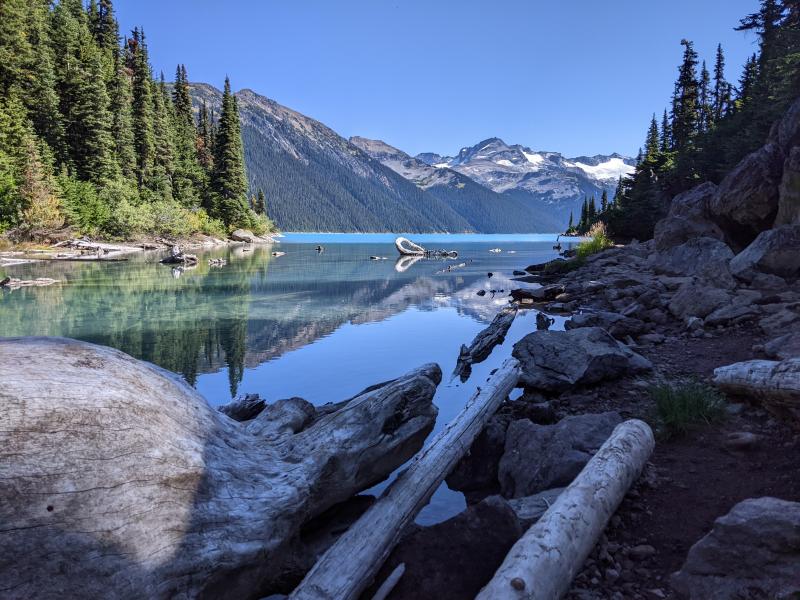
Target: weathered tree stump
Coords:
[(117, 480)]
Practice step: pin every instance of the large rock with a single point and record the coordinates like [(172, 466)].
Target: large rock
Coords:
[(746, 201), (477, 470), (541, 457), (247, 236), (453, 560), (616, 324), (703, 257), (784, 346), (752, 552), (555, 361), (530, 509), (789, 192), (687, 218), (776, 251), (697, 299), (118, 480), (787, 133)]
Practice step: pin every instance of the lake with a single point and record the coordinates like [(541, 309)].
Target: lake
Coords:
[(319, 325)]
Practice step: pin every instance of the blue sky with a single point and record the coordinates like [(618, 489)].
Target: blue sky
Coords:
[(577, 76)]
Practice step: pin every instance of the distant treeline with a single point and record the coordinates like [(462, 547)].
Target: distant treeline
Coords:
[(91, 140), (711, 123)]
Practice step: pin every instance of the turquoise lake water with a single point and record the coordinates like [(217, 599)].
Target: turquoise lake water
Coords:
[(322, 326)]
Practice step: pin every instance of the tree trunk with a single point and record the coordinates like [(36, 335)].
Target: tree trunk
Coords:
[(543, 563), (483, 344), (775, 383), (117, 480), (351, 563)]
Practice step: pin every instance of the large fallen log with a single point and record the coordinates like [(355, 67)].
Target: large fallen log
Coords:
[(117, 480), (349, 566), (775, 383), (545, 560), (483, 344)]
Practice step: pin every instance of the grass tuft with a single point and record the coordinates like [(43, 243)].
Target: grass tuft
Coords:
[(683, 406), (597, 242)]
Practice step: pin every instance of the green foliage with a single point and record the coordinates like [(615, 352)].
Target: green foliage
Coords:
[(682, 406), (712, 125), (130, 159), (598, 242)]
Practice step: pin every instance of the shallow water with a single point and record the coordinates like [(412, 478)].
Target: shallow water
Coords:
[(322, 326)]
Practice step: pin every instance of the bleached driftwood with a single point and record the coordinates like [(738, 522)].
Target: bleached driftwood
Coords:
[(408, 248), (545, 560), (117, 480), (404, 263), (351, 563), (12, 284), (179, 257), (483, 344), (775, 383)]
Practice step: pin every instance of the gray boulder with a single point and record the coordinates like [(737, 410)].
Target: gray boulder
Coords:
[(614, 323), (687, 219), (541, 457), (555, 361), (752, 552), (784, 346), (477, 470), (776, 252), (697, 299), (702, 257), (789, 191), (787, 133), (245, 235), (746, 201), (453, 559)]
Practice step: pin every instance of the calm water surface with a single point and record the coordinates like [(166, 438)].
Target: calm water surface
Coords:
[(322, 326)]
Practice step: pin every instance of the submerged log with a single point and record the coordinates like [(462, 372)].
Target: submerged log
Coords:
[(349, 566), (483, 344), (543, 563), (775, 383), (12, 284), (117, 480)]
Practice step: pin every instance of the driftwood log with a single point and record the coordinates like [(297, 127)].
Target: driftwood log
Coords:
[(117, 480), (351, 563), (483, 344), (775, 383), (545, 560)]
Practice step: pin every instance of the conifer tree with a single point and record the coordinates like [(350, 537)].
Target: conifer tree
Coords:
[(591, 212), (721, 87), (121, 117), (189, 177), (142, 107), (705, 118), (666, 136), (652, 145), (163, 165), (260, 204), (685, 109), (604, 201), (205, 150), (582, 224), (230, 180), (570, 226)]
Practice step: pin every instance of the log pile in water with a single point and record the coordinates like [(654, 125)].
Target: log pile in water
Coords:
[(408, 248), (178, 257), (483, 344), (13, 284), (349, 566), (119, 481)]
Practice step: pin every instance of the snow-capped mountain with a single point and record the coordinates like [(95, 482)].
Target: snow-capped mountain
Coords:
[(549, 176), (485, 210)]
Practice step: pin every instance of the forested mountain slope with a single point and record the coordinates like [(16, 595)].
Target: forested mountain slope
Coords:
[(315, 180)]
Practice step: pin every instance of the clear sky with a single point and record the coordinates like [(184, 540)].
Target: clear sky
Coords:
[(574, 76)]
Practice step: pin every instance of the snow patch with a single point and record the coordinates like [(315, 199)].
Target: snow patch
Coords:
[(441, 166), (613, 168), (504, 162), (534, 159)]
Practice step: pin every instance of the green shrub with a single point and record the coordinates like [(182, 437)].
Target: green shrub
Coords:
[(82, 205), (599, 241), (681, 406)]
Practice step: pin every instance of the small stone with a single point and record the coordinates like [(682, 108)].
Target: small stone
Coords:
[(742, 440), (612, 575), (655, 594), (734, 409), (642, 552)]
